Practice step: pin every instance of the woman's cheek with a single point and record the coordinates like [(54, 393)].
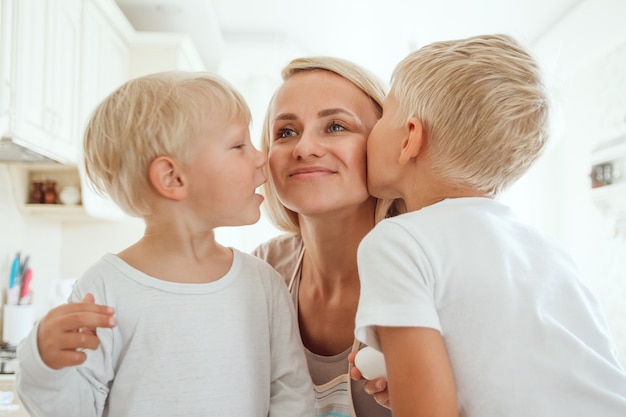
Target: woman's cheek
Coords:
[(274, 162)]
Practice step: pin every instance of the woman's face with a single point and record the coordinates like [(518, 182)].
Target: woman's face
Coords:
[(319, 124)]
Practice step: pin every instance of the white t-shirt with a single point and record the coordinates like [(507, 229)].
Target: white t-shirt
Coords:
[(525, 337), (225, 348)]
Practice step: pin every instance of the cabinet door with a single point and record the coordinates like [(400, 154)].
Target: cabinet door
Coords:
[(45, 43), (105, 59), (5, 66), (61, 76), (28, 61), (105, 65)]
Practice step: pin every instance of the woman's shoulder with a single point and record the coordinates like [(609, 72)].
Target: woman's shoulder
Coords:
[(282, 253), (288, 242)]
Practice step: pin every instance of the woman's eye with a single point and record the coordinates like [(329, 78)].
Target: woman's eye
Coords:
[(285, 133), (335, 127)]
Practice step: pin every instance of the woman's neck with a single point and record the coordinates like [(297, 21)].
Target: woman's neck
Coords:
[(331, 245)]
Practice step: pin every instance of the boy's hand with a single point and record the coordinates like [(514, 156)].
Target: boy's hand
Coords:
[(70, 327), (376, 387)]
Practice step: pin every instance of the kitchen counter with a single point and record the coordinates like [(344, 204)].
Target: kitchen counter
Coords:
[(6, 384)]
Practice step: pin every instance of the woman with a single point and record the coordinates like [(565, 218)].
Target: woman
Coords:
[(315, 135)]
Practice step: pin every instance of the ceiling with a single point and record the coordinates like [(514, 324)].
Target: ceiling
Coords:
[(239, 37)]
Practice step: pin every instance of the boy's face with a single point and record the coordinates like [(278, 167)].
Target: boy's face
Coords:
[(383, 151), (224, 175)]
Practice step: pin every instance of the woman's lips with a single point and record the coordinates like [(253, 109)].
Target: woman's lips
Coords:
[(310, 172)]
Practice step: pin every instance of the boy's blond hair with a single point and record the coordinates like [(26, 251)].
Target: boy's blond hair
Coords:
[(282, 217), (483, 106), (161, 114)]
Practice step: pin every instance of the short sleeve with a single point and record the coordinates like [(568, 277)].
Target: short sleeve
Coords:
[(397, 283)]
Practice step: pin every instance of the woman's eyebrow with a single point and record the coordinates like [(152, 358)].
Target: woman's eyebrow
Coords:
[(331, 112), (335, 111), (321, 113), (286, 116)]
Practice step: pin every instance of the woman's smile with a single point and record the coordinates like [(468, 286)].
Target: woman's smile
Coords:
[(311, 173)]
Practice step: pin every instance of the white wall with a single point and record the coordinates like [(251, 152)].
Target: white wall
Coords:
[(39, 239), (585, 57), (594, 105)]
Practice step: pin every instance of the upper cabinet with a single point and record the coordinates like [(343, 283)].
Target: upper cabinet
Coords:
[(6, 25), (105, 54), (40, 50), (105, 65), (58, 60)]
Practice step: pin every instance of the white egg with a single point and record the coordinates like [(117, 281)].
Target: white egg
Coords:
[(371, 363)]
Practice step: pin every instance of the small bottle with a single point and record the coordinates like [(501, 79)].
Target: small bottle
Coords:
[(50, 193), (36, 193)]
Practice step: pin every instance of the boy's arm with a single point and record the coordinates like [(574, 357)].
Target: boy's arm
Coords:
[(47, 381), (419, 374)]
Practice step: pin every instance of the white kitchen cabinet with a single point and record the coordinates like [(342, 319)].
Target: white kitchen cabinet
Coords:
[(62, 75), (105, 54), (105, 65), (6, 25), (89, 48), (42, 79)]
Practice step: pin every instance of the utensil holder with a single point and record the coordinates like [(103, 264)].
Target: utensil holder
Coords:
[(17, 322)]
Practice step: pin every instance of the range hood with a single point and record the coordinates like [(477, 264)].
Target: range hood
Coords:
[(16, 150)]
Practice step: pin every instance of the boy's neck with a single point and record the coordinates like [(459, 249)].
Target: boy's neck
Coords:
[(176, 255), (433, 195)]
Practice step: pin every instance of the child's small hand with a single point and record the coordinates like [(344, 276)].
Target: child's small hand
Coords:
[(376, 387), (70, 327)]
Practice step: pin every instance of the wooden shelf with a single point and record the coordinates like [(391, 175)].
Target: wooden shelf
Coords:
[(24, 174)]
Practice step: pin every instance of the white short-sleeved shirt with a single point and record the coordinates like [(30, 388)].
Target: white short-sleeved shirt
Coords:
[(524, 335)]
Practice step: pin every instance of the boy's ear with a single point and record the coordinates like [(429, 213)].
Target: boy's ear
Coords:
[(413, 143), (167, 178)]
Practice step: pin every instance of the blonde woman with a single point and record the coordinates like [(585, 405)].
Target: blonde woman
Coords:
[(315, 136)]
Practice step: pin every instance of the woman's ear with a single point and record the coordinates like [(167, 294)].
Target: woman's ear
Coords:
[(167, 178), (412, 145)]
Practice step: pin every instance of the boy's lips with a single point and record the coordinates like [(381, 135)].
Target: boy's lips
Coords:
[(263, 181)]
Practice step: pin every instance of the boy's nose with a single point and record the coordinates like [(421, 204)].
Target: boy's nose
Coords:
[(261, 158)]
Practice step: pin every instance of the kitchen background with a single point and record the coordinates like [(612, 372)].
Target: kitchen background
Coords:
[(89, 47)]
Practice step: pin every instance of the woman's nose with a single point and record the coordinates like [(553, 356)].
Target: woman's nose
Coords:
[(308, 146)]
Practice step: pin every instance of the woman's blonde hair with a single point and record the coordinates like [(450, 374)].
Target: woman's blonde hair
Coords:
[(483, 105), (281, 216), (156, 115)]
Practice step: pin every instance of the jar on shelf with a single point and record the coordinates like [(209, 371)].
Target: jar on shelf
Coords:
[(70, 195), (36, 193), (50, 192)]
